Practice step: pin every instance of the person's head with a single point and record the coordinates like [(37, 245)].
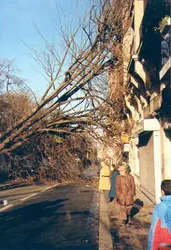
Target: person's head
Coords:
[(128, 169), (106, 161), (166, 187), (114, 167), (122, 169)]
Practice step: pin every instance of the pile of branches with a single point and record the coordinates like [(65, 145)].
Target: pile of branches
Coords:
[(49, 158)]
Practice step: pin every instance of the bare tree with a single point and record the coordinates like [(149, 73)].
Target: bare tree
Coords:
[(71, 99), (8, 76)]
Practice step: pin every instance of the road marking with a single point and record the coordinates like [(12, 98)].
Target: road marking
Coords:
[(28, 197), (47, 188), (6, 207), (41, 191)]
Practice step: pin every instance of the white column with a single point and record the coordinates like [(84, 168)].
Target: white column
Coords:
[(157, 164), (166, 147)]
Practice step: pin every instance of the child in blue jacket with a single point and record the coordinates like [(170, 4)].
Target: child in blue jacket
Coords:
[(160, 230)]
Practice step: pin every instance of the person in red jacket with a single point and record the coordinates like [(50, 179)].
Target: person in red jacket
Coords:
[(160, 230)]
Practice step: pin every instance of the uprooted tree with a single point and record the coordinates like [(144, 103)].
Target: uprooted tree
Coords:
[(72, 105)]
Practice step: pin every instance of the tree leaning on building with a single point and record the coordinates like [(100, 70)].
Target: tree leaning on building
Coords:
[(69, 106)]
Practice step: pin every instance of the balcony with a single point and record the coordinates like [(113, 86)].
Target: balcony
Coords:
[(154, 105)]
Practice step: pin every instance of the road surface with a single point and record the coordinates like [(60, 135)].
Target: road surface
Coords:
[(63, 218)]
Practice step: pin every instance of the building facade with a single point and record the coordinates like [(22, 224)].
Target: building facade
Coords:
[(147, 76)]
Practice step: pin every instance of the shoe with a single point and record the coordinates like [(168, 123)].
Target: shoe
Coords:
[(111, 199), (129, 218)]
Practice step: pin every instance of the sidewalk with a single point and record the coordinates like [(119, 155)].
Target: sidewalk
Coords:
[(105, 238), (135, 236)]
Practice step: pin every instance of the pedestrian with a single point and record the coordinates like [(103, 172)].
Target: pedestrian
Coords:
[(104, 183), (160, 230), (125, 192), (112, 191)]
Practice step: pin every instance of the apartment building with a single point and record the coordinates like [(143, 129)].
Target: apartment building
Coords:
[(147, 76)]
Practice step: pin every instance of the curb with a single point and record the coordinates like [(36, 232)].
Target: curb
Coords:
[(28, 197), (105, 238)]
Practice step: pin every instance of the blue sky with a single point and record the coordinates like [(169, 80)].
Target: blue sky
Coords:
[(17, 24)]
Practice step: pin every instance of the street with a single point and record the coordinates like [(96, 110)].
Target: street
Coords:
[(65, 217)]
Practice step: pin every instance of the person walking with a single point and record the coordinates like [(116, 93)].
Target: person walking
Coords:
[(160, 229), (125, 192), (104, 183), (114, 174)]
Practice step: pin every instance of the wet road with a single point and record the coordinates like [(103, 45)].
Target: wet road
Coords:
[(61, 218)]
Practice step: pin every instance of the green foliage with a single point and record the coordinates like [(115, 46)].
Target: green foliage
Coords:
[(162, 24)]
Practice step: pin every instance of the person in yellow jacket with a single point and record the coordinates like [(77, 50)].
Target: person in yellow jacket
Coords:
[(104, 183)]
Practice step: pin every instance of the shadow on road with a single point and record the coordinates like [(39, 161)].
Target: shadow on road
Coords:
[(23, 227), (45, 223)]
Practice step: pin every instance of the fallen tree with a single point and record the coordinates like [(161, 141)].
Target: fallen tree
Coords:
[(72, 104)]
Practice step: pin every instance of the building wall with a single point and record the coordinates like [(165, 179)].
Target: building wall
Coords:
[(166, 154), (150, 164), (139, 12), (151, 161), (146, 156), (134, 161), (157, 164)]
